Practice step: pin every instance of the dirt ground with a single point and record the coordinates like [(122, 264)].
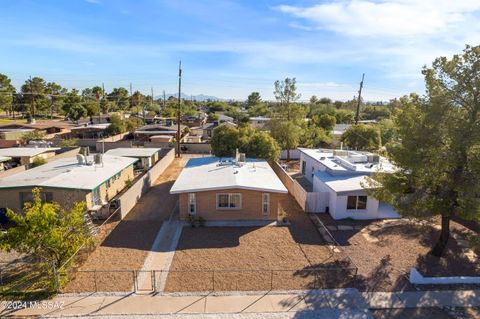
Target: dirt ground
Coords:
[(243, 257), (421, 313), (127, 246), (386, 254)]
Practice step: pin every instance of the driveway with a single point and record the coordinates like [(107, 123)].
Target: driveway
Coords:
[(127, 246)]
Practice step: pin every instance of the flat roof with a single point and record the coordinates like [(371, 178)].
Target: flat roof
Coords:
[(161, 136), (67, 173), (100, 126), (25, 151), (260, 118), (4, 158), (327, 158), (133, 151), (345, 183), (207, 173)]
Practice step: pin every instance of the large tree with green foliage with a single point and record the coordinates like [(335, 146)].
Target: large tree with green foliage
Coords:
[(253, 99), (247, 140), (285, 128), (362, 137), (34, 95), (438, 151), (7, 91), (46, 231)]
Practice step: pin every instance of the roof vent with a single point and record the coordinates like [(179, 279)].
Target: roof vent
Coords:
[(98, 159), (81, 159)]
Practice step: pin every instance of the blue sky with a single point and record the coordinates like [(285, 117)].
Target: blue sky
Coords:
[(230, 48)]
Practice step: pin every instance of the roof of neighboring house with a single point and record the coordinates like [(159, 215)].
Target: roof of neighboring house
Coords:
[(40, 125), (68, 173), (4, 158), (346, 183), (98, 126), (339, 129), (208, 173), (25, 151), (161, 136), (133, 151), (260, 118), (354, 161)]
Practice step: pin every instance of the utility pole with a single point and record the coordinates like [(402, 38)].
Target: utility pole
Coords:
[(359, 100), (32, 111), (163, 104), (131, 97), (179, 105), (103, 96)]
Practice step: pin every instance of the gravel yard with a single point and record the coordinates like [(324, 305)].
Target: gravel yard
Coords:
[(127, 246), (385, 252), (243, 257)]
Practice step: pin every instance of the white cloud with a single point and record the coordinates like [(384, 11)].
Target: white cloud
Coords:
[(93, 1), (387, 18)]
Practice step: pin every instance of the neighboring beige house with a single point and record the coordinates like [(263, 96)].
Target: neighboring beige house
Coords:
[(26, 155), (69, 180), (218, 189), (147, 157)]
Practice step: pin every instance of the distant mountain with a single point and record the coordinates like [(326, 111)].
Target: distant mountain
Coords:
[(199, 97)]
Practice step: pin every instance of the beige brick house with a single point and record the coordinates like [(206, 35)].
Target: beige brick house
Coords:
[(218, 189), (69, 180)]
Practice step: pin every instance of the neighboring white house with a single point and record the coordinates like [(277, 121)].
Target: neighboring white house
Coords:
[(340, 179), (147, 157)]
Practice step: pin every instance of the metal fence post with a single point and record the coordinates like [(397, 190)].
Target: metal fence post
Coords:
[(95, 280), (213, 280), (271, 279)]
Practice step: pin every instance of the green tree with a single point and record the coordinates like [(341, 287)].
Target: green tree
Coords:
[(76, 111), (34, 95), (225, 141), (46, 231), (105, 105), (120, 98), (117, 125), (33, 136), (56, 95), (212, 117), (375, 112), (437, 153), (260, 109), (69, 142), (344, 116), (313, 137), (325, 121), (262, 145), (7, 91), (247, 140), (253, 99), (362, 137), (38, 161), (287, 115), (132, 123)]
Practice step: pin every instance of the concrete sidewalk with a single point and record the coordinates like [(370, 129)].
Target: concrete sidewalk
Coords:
[(336, 303)]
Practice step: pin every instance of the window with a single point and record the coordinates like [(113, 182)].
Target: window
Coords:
[(357, 202), (229, 201), (362, 202), (265, 204), (192, 204), (352, 202)]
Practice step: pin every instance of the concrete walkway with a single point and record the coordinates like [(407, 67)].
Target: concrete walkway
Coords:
[(336, 303)]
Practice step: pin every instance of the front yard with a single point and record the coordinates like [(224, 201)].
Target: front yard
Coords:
[(384, 252), (256, 258)]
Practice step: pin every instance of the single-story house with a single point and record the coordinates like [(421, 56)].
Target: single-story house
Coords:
[(69, 180), (147, 157), (88, 131), (145, 132), (340, 180), (162, 140), (225, 189), (208, 128), (27, 155)]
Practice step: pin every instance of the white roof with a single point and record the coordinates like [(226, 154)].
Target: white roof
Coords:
[(133, 151), (25, 151), (4, 158), (161, 136), (67, 173), (342, 166), (100, 126), (205, 174), (344, 183), (260, 118)]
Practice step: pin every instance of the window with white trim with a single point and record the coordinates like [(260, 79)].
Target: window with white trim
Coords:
[(265, 204), (229, 201), (192, 204), (356, 202)]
